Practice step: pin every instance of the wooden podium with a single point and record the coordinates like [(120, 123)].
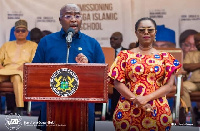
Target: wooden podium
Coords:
[(66, 113)]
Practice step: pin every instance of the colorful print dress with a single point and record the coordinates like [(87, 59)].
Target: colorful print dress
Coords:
[(142, 74)]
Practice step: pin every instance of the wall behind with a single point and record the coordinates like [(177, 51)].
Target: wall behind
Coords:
[(178, 15), (100, 18)]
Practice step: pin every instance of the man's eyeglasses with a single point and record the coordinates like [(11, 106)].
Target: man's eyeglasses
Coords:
[(143, 30), (115, 38), (70, 17), (20, 30)]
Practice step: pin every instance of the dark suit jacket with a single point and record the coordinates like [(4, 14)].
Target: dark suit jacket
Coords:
[(121, 50)]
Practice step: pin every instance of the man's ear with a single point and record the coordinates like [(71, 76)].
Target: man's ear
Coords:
[(60, 20)]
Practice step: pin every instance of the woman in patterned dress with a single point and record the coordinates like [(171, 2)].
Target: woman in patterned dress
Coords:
[(143, 76)]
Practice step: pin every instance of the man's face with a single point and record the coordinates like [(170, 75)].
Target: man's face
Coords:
[(115, 41), (189, 44), (163, 44), (70, 17), (36, 37), (21, 33)]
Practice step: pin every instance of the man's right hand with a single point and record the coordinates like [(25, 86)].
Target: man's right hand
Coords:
[(1, 67)]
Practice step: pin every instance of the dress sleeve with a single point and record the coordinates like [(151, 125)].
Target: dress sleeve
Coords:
[(172, 65), (117, 69)]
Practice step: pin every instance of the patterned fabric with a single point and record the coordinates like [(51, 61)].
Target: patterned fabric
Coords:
[(142, 74)]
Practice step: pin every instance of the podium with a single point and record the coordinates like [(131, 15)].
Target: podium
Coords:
[(67, 89)]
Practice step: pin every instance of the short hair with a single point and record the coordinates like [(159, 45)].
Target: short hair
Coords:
[(46, 32), (185, 34), (118, 34), (35, 31), (65, 6)]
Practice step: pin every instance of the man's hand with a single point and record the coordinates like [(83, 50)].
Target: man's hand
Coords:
[(1, 67), (20, 68), (80, 58)]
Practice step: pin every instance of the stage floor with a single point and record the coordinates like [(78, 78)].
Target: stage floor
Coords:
[(28, 124)]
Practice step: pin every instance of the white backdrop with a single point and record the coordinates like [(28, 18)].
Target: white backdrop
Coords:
[(178, 15), (100, 17)]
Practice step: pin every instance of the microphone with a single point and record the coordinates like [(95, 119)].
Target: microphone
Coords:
[(70, 33)]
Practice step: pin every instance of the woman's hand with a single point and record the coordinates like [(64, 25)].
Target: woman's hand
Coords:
[(140, 101), (147, 107)]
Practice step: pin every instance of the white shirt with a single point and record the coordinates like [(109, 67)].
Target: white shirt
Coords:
[(117, 51)]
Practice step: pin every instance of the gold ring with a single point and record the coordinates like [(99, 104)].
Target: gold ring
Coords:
[(148, 110)]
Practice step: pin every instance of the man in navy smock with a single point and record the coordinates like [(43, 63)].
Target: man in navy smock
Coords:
[(84, 49)]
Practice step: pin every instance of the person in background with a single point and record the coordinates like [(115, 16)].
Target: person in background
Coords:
[(84, 49), (36, 35), (143, 76), (186, 41), (13, 55), (116, 40), (46, 32), (165, 37), (12, 34), (132, 45), (192, 64)]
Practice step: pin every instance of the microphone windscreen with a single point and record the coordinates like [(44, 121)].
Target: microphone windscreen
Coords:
[(71, 30)]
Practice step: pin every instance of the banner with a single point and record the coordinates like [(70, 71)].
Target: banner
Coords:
[(174, 14), (100, 18)]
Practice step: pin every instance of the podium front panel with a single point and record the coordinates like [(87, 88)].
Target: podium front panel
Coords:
[(92, 82)]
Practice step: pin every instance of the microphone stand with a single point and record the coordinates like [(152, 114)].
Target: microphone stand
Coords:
[(68, 46), (69, 34)]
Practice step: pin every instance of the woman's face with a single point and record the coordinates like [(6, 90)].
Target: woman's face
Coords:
[(146, 33), (189, 44)]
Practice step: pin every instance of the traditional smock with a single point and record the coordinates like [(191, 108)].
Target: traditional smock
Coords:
[(13, 55), (142, 74)]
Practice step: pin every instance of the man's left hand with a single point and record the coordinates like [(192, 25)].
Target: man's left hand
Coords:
[(81, 58)]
